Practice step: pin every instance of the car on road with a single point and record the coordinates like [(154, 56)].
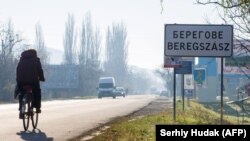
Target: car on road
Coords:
[(164, 93), (106, 87), (120, 91)]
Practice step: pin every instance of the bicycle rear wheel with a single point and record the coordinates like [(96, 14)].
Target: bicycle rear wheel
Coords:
[(26, 114), (34, 119)]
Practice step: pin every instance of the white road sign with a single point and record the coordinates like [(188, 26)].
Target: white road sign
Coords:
[(193, 40), (188, 82)]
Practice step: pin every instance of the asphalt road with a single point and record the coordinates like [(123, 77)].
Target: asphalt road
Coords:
[(62, 120)]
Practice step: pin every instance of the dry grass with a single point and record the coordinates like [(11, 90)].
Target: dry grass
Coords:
[(143, 128)]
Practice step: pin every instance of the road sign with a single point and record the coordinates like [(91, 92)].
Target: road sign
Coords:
[(189, 93), (188, 82), (192, 40), (199, 75), (186, 68)]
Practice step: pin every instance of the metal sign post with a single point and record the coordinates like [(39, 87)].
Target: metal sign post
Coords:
[(185, 68), (174, 97), (182, 90), (221, 89)]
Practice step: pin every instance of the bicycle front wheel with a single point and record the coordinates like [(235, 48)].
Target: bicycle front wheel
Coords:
[(34, 119), (26, 114)]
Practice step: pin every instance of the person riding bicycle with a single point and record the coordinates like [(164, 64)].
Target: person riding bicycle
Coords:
[(29, 72)]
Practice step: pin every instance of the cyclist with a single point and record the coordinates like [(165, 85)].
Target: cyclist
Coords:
[(29, 72)]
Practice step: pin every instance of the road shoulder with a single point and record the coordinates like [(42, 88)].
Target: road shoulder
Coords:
[(156, 106)]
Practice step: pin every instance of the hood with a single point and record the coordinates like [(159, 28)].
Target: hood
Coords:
[(29, 54)]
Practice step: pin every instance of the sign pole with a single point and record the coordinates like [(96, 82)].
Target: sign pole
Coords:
[(183, 98), (221, 77), (174, 98)]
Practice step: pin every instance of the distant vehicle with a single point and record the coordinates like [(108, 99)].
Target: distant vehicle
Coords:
[(106, 87), (164, 93), (120, 91)]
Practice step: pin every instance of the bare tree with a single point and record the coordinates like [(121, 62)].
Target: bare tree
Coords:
[(9, 39), (89, 54), (69, 40), (39, 45), (166, 76), (237, 13), (82, 48), (86, 43), (116, 52), (233, 12), (228, 4)]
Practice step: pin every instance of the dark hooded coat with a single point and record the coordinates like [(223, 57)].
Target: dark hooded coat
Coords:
[(29, 68)]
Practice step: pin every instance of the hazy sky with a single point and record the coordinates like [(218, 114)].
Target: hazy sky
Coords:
[(143, 19)]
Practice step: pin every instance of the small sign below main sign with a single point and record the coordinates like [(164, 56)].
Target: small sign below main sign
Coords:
[(199, 75), (186, 68), (188, 82), (192, 40)]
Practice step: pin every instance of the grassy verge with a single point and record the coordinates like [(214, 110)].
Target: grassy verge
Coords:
[(143, 128)]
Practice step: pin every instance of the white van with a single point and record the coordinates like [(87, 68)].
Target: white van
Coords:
[(106, 87)]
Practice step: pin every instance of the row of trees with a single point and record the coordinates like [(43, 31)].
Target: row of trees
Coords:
[(84, 49), (87, 52)]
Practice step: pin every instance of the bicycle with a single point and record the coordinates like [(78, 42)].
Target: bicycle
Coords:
[(27, 109)]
